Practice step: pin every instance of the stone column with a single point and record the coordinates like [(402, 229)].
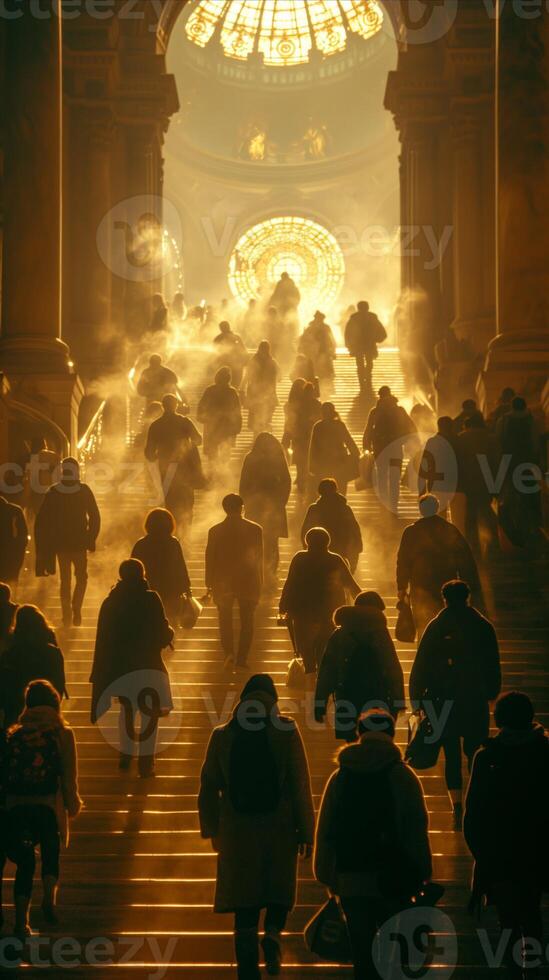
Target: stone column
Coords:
[(519, 355), (32, 354)]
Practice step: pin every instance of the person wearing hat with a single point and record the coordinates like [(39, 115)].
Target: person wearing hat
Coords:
[(387, 431), (360, 667), (256, 807)]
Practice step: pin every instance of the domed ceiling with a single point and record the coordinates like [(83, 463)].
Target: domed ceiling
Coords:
[(283, 32)]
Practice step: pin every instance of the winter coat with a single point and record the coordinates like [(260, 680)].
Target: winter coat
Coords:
[(375, 754), (220, 412), (316, 586), (332, 447), (506, 821), (438, 469), (155, 382), (286, 296), (234, 560), (360, 668), (265, 486), (300, 418), (458, 661), (169, 439), (68, 521), (478, 461), (132, 631), (388, 425), (334, 514), (261, 380), (363, 333), (14, 537), (66, 802), (23, 662), (165, 567), (257, 857), (318, 343), (432, 552)]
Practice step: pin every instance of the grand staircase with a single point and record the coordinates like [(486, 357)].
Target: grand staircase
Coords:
[(138, 881)]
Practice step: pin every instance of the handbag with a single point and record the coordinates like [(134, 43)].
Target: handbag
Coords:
[(326, 934), (190, 611), (295, 678), (405, 629), (423, 750)]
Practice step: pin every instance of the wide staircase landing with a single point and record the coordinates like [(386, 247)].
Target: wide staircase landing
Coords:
[(137, 871)]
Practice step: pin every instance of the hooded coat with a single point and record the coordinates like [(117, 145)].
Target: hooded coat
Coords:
[(265, 486), (458, 661), (333, 513), (257, 853), (506, 821), (27, 660), (375, 754), (165, 568), (132, 631), (333, 451), (359, 669), (220, 412), (432, 552)]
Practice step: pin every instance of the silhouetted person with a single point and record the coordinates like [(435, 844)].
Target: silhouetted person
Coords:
[(162, 556), (317, 584), (504, 405), (179, 307), (332, 512), (231, 352), (132, 631), (260, 389), (468, 408), (507, 827), (301, 412), (388, 428), (31, 654), (438, 469), (172, 443), (256, 807), (41, 472), (234, 573), (519, 441), (372, 844), (14, 538), (304, 368), (432, 552), (360, 668), (333, 451), (66, 528), (286, 296), (7, 614), (265, 486), (157, 380), (317, 342), (220, 412), (457, 663), (363, 332), (250, 323), (41, 795), (159, 316), (478, 461)]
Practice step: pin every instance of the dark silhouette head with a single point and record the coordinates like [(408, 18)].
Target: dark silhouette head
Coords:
[(38, 444), (132, 571), (285, 275), (328, 487), (456, 593), (223, 377), (507, 396), (264, 348), (5, 594), (363, 306), (159, 521), (469, 405), (514, 711), (232, 504), (155, 361), (384, 392), (317, 539), (445, 425), (42, 694), (376, 720), (329, 411), (32, 626), (267, 445), (297, 389), (224, 326), (428, 505), (169, 404), (70, 470), (319, 317), (475, 420), (259, 684), (370, 599), (519, 404)]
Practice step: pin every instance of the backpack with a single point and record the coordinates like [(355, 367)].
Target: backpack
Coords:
[(254, 782), (33, 763)]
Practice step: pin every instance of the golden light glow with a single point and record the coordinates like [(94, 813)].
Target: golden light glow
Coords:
[(283, 31), (303, 248)]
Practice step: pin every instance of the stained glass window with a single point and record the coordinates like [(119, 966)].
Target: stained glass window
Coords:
[(283, 31), (304, 248)]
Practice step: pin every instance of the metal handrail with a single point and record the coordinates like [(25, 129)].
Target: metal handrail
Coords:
[(92, 436), (37, 415)]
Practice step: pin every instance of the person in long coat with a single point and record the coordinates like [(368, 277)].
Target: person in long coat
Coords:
[(363, 332), (317, 584), (31, 654), (162, 556), (458, 663), (332, 512), (132, 631), (432, 551), (256, 807), (333, 451), (260, 384), (360, 668), (220, 412), (302, 411), (172, 444), (318, 342), (265, 486)]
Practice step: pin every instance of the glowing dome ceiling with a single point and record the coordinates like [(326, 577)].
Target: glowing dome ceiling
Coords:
[(283, 31)]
